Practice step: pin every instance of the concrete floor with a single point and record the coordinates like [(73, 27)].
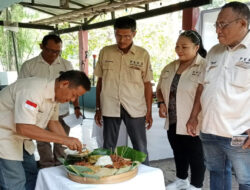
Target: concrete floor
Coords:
[(168, 168)]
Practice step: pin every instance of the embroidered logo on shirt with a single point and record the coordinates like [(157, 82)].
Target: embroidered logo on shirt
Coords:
[(196, 73), (136, 63), (245, 61), (30, 105)]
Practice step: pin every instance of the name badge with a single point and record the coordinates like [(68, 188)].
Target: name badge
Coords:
[(238, 140)]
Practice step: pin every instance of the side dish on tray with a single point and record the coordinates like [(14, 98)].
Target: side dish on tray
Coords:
[(103, 165)]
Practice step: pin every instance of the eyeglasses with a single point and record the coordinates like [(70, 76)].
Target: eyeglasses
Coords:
[(126, 37), (222, 25), (52, 51)]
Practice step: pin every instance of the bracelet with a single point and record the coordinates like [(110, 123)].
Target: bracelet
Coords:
[(77, 108), (159, 103)]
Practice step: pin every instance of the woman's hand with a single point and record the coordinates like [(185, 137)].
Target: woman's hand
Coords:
[(191, 126), (163, 110)]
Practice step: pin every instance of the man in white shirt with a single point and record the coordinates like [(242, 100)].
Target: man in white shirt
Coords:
[(224, 98), (48, 65), (27, 107)]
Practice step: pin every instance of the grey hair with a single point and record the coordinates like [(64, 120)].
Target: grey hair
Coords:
[(240, 8)]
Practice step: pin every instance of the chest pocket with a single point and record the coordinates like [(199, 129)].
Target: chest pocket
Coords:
[(166, 75), (135, 74), (165, 80), (241, 75), (210, 73), (107, 65), (108, 70), (135, 69), (194, 76)]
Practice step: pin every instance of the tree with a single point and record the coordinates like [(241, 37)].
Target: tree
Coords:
[(26, 39)]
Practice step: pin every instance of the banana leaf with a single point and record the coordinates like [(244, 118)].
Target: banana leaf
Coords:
[(126, 152), (101, 151), (80, 171)]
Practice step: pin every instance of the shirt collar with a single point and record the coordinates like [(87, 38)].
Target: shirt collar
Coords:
[(196, 61), (132, 49), (50, 90), (244, 43), (40, 58)]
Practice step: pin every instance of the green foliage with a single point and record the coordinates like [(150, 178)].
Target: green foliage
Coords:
[(26, 39), (70, 46), (127, 152), (157, 35)]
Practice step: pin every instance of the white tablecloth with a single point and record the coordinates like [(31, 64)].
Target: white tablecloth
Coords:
[(55, 178)]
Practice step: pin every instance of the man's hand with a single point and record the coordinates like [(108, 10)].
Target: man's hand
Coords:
[(72, 143), (163, 111), (191, 126), (78, 113), (98, 118), (149, 120), (247, 143)]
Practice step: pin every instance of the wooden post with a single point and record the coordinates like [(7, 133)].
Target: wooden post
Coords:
[(83, 51), (189, 18)]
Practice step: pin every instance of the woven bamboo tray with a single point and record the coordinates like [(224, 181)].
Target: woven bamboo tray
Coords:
[(105, 180)]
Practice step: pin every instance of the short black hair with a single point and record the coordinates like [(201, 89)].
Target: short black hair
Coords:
[(125, 23), (75, 78), (240, 8), (196, 39), (53, 37)]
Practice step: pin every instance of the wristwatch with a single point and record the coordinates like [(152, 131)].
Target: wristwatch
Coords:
[(159, 103)]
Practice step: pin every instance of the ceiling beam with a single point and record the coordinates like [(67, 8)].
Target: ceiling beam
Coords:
[(137, 16), (78, 4), (90, 20), (143, 15), (32, 26), (140, 7), (40, 10), (92, 10), (46, 6)]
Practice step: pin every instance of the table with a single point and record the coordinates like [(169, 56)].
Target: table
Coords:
[(55, 178)]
